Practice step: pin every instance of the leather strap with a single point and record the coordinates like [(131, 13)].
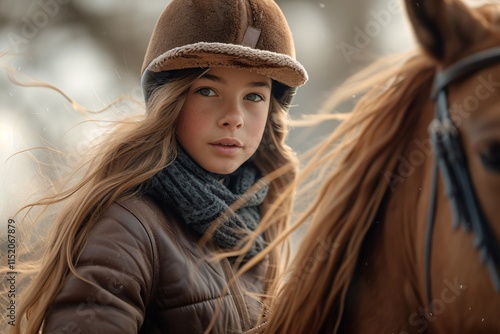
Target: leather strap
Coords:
[(464, 67), (451, 162)]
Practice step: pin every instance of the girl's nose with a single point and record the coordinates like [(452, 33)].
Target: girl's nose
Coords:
[(232, 117)]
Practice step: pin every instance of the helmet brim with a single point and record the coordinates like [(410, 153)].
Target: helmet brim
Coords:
[(276, 66)]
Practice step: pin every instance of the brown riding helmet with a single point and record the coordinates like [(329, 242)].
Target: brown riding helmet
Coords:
[(245, 34)]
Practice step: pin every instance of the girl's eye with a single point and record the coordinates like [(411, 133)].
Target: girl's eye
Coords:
[(254, 97), (206, 92), (490, 157)]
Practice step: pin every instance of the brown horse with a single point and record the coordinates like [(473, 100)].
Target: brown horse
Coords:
[(418, 156)]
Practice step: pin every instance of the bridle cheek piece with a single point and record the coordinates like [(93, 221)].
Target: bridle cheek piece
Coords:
[(451, 162)]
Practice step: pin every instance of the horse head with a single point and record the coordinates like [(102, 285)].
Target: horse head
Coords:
[(418, 156), (466, 154)]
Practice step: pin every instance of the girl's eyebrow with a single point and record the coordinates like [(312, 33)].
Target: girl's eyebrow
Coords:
[(221, 80)]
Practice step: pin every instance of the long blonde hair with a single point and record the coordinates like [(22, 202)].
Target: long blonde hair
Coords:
[(311, 295), (135, 150)]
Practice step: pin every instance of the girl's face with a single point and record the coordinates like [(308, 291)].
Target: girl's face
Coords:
[(223, 119)]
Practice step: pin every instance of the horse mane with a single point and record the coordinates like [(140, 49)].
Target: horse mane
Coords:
[(356, 156)]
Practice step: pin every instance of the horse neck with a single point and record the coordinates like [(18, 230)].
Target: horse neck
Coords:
[(392, 251)]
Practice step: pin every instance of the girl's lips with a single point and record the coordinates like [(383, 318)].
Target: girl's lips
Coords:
[(227, 146), (227, 142), (226, 149)]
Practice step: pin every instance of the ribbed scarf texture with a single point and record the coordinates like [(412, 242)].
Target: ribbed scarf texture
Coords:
[(200, 199)]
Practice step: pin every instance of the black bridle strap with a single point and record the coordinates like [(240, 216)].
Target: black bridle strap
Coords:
[(464, 67), (451, 162), (428, 234)]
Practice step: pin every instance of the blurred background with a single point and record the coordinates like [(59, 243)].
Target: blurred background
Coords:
[(93, 50)]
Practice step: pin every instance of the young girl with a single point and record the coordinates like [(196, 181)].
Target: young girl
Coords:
[(132, 246)]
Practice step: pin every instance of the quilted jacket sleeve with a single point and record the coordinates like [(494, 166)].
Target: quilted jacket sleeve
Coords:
[(119, 259)]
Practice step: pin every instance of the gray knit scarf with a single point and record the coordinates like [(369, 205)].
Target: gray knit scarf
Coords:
[(200, 199)]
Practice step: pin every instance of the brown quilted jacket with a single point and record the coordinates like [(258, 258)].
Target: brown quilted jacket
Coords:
[(149, 275)]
